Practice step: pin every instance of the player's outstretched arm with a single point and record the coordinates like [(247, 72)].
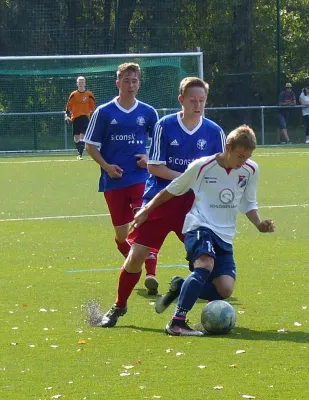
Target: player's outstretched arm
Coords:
[(264, 226), (142, 215)]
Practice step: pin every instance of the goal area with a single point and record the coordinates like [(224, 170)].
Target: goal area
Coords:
[(34, 91)]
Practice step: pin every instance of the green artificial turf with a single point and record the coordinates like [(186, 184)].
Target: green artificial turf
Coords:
[(51, 267)]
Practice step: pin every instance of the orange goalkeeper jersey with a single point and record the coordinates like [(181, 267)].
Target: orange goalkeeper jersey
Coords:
[(80, 103)]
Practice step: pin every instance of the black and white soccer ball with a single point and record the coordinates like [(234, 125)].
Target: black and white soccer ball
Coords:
[(218, 317)]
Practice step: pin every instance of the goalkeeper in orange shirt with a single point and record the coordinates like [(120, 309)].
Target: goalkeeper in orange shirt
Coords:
[(79, 107)]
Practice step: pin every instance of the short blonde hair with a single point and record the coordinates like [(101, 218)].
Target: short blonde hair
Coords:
[(128, 67), (192, 81), (80, 77), (243, 136)]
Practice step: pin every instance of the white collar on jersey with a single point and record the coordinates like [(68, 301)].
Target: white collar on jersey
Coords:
[(124, 109), (186, 129)]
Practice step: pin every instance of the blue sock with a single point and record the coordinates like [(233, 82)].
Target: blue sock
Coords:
[(209, 292), (190, 292)]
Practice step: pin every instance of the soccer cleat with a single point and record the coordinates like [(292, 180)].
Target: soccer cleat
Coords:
[(181, 328), (111, 317), (79, 157), (307, 142), (151, 285), (167, 299)]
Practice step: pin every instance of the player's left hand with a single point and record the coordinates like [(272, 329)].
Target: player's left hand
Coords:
[(267, 225), (142, 160), (140, 217)]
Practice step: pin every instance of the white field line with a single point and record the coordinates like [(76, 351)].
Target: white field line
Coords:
[(37, 161), (107, 215), (299, 153)]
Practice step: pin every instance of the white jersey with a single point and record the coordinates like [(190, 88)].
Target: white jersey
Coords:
[(219, 194)]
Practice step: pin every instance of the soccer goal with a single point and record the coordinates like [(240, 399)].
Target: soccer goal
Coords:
[(34, 91)]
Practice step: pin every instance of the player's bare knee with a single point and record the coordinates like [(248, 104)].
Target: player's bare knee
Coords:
[(225, 292)]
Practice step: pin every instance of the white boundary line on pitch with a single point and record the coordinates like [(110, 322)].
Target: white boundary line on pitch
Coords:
[(107, 215), (65, 160)]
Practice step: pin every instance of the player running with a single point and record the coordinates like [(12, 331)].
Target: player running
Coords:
[(222, 184), (178, 139), (121, 128)]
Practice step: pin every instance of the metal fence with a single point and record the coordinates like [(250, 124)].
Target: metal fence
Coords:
[(56, 135)]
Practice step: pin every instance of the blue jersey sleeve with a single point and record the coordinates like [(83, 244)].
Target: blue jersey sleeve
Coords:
[(158, 146), (96, 129)]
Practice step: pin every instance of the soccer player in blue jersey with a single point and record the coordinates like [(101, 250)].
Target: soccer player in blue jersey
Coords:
[(121, 128), (177, 140), (222, 184)]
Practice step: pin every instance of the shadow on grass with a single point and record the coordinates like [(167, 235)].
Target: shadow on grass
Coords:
[(269, 335), (239, 333)]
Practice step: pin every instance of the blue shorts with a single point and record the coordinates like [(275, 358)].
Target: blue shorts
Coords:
[(204, 241)]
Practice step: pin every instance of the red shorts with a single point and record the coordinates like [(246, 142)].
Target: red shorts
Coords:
[(122, 203), (165, 219)]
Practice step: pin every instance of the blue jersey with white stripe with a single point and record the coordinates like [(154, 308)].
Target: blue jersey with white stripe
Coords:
[(121, 134), (176, 147)]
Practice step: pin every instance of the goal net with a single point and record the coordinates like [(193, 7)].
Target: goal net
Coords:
[(34, 91)]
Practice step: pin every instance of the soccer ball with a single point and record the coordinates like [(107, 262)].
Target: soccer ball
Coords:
[(218, 317)]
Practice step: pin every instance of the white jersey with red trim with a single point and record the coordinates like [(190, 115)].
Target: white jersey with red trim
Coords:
[(219, 194)]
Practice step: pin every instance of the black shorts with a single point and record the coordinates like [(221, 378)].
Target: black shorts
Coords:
[(80, 125)]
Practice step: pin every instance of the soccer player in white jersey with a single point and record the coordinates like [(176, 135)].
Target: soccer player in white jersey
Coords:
[(177, 140), (222, 184), (121, 128)]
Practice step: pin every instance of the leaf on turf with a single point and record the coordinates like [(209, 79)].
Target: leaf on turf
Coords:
[(201, 366), (218, 387), (56, 396), (241, 312), (297, 324), (15, 327), (142, 387), (156, 397), (152, 303), (70, 382), (54, 346), (282, 330), (31, 345), (42, 310), (128, 366), (82, 341), (179, 353), (233, 365), (48, 388), (167, 350), (138, 362), (240, 351), (53, 310), (13, 344), (304, 307), (125, 374), (248, 396)]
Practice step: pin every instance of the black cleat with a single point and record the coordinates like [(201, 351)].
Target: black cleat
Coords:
[(181, 328), (167, 299), (111, 317)]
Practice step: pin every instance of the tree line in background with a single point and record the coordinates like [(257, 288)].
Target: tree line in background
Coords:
[(238, 37)]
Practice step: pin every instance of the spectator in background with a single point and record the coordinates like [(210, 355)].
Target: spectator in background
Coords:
[(304, 101), (286, 98)]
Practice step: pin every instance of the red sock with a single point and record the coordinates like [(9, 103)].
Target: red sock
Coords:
[(124, 247), (126, 284), (151, 263)]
